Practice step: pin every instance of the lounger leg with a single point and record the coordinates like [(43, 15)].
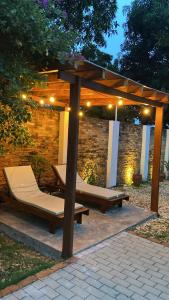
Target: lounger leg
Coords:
[(103, 209), (79, 219), (52, 227), (120, 204)]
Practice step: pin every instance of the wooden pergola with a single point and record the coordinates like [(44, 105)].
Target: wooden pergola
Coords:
[(72, 86)]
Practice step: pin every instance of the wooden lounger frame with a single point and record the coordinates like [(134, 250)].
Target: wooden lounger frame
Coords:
[(82, 198), (54, 220)]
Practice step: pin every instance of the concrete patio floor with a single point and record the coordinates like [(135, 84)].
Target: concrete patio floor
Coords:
[(96, 227)]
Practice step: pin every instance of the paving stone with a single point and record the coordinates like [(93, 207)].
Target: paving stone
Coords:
[(48, 291), (39, 284), (80, 292), (111, 292), (10, 297), (164, 296), (94, 282), (19, 294), (151, 290), (137, 297), (137, 290), (51, 283), (33, 292), (66, 283), (123, 290), (59, 298), (65, 292), (152, 297), (122, 297)]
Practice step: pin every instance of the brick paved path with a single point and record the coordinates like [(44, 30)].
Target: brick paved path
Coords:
[(123, 267)]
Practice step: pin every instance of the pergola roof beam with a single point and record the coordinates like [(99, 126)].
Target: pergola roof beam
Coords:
[(111, 91), (99, 87)]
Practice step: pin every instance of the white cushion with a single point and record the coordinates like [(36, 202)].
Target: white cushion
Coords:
[(88, 189), (24, 188)]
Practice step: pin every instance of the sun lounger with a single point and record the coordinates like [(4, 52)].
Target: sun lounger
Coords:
[(27, 196), (90, 194)]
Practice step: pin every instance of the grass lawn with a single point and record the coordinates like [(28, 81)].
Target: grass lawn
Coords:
[(18, 261)]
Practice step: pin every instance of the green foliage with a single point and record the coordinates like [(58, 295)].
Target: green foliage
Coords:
[(125, 113), (86, 18), (145, 52), (13, 130), (29, 41), (90, 172), (39, 164)]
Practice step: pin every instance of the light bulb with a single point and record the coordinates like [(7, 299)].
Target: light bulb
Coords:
[(41, 101), (110, 106), (80, 114), (88, 104), (52, 99), (24, 96), (120, 102), (146, 111)]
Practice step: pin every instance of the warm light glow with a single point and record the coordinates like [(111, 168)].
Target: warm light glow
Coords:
[(88, 104), (24, 96), (129, 175), (120, 102), (41, 102), (146, 111), (81, 114), (110, 106), (52, 99), (68, 108)]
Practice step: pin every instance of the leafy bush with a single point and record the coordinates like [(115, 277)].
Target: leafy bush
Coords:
[(39, 165), (89, 172)]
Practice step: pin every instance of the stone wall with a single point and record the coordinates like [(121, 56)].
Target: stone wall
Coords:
[(92, 151), (130, 140), (44, 128), (93, 148)]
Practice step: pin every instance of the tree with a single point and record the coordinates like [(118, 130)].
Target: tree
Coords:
[(29, 41), (92, 20), (145, 52)]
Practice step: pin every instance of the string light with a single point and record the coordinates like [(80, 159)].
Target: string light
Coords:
[(41, 102), (146, 111), (120, 102), (110, 106), (24, 96), (52, 99), (81, 114), (88, 104)]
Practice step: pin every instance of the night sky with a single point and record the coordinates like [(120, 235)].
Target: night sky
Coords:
[(114, 42)]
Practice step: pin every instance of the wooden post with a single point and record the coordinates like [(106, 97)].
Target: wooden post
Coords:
[(71, 170), (156, 159)]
